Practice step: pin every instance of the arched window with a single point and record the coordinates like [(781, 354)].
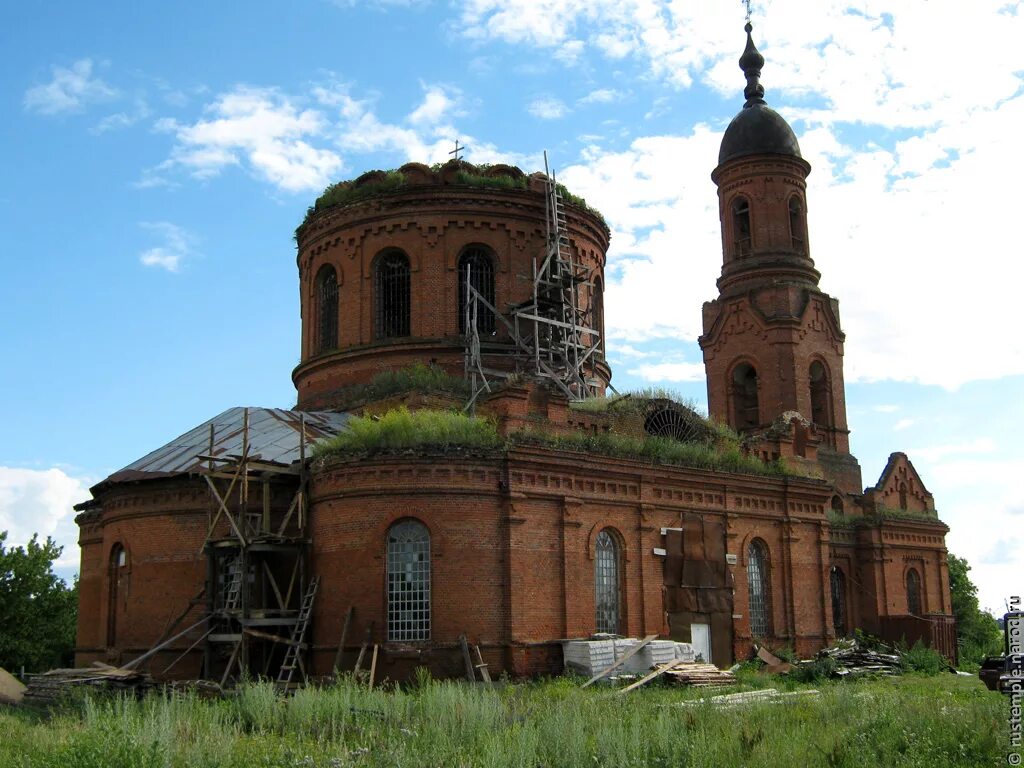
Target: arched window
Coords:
[(606, 582), (326, 309), (392, 295), (837, 506), (115, 576), (758, 584), (821, 395), (746, 410), (408, 581), (741, 226), (838, 583), (477, 265), (796, 224), (913, 593)]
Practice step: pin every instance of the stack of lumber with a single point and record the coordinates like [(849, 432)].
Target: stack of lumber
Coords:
[(653, 654), (588, 657), (851, 659), (48, 687), (700, 675)]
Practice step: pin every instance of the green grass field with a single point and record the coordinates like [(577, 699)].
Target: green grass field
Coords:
[(907, 721)]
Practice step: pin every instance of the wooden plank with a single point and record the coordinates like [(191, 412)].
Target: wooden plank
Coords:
[(647, 678), (273, 585), (362, 649), (482, 666), (344, 637), (470, 672), (625, 657), (273, 638), (373, 667), (157, 648)]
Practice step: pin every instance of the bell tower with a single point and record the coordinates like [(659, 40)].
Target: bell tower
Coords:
[(772, 340)]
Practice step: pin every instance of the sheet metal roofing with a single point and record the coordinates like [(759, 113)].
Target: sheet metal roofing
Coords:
[(273, 438)]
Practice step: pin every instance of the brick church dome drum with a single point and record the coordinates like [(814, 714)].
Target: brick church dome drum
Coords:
[(383, 261)]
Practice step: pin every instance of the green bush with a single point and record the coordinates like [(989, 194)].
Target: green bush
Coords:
[(821, 668), (922, 659), (415, 378)]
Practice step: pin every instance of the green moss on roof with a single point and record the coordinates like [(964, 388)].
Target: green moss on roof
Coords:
[(454, 173)]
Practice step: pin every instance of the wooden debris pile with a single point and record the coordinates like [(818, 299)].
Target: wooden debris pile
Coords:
[(851, 659), (700, 675), (770, 695), (49, 687)]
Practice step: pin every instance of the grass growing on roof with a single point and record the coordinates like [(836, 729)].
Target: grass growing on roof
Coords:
[(402, 429), (414, 378), (659, 450)]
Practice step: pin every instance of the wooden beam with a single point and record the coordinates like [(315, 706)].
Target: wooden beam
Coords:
[(273, 638), (344, 637), (467, 660), (659, 671), (373, 667)]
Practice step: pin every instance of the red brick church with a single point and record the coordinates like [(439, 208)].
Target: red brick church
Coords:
[(231, 550)]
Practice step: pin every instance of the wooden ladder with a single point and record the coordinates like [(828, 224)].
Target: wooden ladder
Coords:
[(292, 660)]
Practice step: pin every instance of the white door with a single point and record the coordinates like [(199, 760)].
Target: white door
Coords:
[(700, 639)]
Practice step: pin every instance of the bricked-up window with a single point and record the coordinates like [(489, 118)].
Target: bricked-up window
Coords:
[(326, 309), (745, 406), (115, 576), (392, 295), (837, 506), (758, 585), (606, 582), (408, 581), (838, 584), (796, 224), (903, 495), (821, 395), (476, 265), (741, 226), (913, 593)]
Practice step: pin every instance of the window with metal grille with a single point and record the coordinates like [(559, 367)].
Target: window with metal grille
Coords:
[(477, 266), (838, 583), (746, 409), (606, 581), (674, 423), (392, 295), (796, 224), (741, 226), (326, 309), (913, 593), (408, 581), (758, 585)]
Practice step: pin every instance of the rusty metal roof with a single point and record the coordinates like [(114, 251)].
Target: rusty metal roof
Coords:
[(273, 438)]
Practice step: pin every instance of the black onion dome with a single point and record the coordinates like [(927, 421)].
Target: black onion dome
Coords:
[(757, 129)]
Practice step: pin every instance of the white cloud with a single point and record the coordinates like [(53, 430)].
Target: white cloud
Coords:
[(888, 408), (600, 96), (902, 424), (261, 129), (626, 350), (124, 119), (70, 90), (176, 246), (41, 501), (547, 108), (438, 103)]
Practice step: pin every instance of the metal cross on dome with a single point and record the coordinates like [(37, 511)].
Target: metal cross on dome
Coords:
[(456, 151), (747, 3)]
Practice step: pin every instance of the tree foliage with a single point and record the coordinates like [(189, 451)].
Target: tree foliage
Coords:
[(977, 631), (38, 611)]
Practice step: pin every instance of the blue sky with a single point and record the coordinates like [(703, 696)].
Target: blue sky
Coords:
[(157, 158)]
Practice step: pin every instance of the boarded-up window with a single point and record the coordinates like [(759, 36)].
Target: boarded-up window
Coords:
[(913, 593), (745, 405), (838, 584)]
